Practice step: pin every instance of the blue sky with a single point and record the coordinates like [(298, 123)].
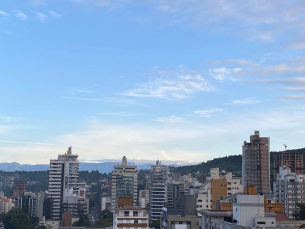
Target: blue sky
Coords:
[(176, 80)]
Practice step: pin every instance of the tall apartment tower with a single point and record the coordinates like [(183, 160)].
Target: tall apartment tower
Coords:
[(256, 163), (158, 191), (63, 175), (124, 183), (290, 159)]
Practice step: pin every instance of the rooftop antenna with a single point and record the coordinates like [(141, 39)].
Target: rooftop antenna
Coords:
[(285, 147)]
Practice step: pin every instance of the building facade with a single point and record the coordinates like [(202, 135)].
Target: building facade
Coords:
[(19, 187), (215, 188), (131, 217), (158, 190), (290, 159), (63, 181), (256, 163), (289, 188), (124, 183), (248, 212)]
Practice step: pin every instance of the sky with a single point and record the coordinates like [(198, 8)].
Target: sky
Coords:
[(175, 80)]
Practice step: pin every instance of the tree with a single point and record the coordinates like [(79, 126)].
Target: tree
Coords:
[(34, 221), (300, 214), (155, 224), (106, 214), (83, 220), (105, 219), (16, 218)]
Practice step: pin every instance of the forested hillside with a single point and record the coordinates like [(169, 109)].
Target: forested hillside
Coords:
[(229, 163)]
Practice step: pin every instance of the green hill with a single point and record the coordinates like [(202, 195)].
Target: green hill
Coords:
[(231, 163)]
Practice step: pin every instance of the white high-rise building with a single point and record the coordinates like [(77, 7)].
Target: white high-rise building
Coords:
[(158, 190), (124, 183), (289, 188), (63, 175)]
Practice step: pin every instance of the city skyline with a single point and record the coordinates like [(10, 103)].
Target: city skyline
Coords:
[(180, 81)]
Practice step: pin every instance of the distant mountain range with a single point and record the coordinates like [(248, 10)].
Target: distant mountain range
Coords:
[(103, 167), (230, 163)]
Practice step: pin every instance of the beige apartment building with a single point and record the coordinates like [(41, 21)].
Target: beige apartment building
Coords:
[(256, 163), (215, 188)]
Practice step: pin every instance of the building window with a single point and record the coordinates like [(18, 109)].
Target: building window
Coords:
[(126, 213), (136, 221), (135, 213)]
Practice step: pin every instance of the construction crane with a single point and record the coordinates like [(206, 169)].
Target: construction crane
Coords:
[(285, 147)]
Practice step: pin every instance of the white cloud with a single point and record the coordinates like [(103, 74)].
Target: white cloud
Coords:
[(246, 101), (224, 73), (179, 87), (122, 114), (54, 14), (40, 16), (79, 91), (20, 15), (207, 113), (169, 119), (8, 119), (299, 44), (240, 62), (3, 13), (195, 142)]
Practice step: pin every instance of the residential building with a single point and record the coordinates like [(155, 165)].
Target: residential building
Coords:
[(248, 212), (181, 214), (144, 197), (130, 217), (256, 163), (217, 187), (29, 202), (290, 159), (175, 188), (75, 201), (124, 183), (19, 187), (5, 204), (158, 190), (270, 204), (63, 176), (289, 189), (105, 197)]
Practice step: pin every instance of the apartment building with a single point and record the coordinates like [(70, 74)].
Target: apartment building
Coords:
[(63, 181), (158, 190), (175, 188), (19, 187), (248, 212), (181, 214), (289, 188), (290, 159), (217, 187), (130, 217), (144, 197), (256, 163), (124, 183)]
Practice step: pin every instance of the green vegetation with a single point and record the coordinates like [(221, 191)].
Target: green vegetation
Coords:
[(16, 219), (155, 224), (229, 163), (300, 214), (83, 220), (105, 219), (93, 176)]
